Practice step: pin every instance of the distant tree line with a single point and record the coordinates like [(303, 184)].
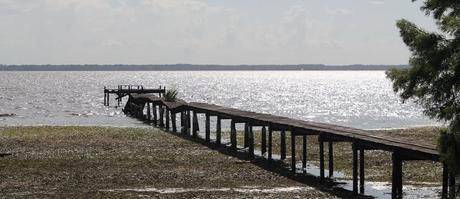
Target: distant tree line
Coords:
[(191, 67)]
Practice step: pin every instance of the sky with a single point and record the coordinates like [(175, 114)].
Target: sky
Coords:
[(333, 32)]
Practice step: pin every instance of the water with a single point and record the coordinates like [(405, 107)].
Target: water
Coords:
[(361, 99)]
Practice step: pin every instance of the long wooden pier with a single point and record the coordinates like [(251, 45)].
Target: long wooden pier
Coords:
[(152, 107)]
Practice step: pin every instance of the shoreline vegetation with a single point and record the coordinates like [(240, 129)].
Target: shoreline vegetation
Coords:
[(70, 161)]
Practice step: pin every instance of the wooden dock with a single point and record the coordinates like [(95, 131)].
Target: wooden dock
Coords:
[(153, 108)]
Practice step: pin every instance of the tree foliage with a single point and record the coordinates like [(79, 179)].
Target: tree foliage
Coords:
[(433, 80)]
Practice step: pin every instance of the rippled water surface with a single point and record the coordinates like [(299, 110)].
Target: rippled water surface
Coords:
[(362, 99)]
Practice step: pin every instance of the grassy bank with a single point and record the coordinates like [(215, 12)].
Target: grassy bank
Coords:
[(97, 162), (114, 162)]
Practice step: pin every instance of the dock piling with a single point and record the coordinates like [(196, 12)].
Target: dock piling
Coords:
[(331, 159), (293, 160), (233, 136), (270, 142), (304, 153), (283, 145), (218, 130), (321, 157), (355, 168), (361, 171), (207, 129), (264, 141)]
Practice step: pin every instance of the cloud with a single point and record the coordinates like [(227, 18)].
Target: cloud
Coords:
[(377, 2)]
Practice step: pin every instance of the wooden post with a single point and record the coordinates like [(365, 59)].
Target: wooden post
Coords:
[(149, 116), (293, 160), (283, 145), (361, 171), (445, 181), (195, 125), (167, 118), (155, 117), (182, 122), (264, 141), (246, 133), (108, 99), (251, 141), (105, 97), (321, 158), (396, 189), (218, 130), (331, 159), (304, 153), (233, 136), (355, 168), (189, 123), (173, 121), (162, 124), (270, 142), (207, 129)]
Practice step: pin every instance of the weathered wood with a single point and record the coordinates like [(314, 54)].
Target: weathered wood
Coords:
[(270, 142), (161, 109), (355, 168), (304, 153), (283, 145), (167, 118), (207, 129), (233, 135), (264, 141), (445, 181), (182, 122), (246, 135), (173, 121), (331, 158), (293, 158), (218, 130), (155, 115), (251, 141), (189, 123), (396, 190), (149, 116), (321, 158), (361, 171), (195, 125)]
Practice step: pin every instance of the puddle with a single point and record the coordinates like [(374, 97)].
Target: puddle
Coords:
[(240, 190)]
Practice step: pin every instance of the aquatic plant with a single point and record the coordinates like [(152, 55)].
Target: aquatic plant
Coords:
[(171, 95)]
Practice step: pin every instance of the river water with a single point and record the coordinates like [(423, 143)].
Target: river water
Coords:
[(361, 99)]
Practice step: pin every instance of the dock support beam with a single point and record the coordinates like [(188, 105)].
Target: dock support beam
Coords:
[(182, 122), (173, 121), (251, 141), (195, 125), (207, 136), (218, 130), (293, 160), (304, 153), (355, 168), (264, 141), (361, 171), (321, 158), (246, 133), (270, 142), (189, 123), (149, 115), (445, 181), (161, 109), (155, 116), (396, 189), (283, 145), (331, 159), (167, 119), (233, 136)]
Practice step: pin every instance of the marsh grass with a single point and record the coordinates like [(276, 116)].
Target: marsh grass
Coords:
[(82, 162)]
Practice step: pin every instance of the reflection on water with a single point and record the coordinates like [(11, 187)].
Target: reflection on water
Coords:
[(362, 99)]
